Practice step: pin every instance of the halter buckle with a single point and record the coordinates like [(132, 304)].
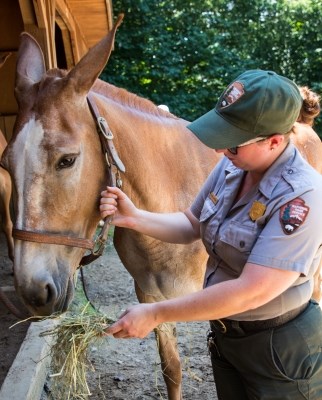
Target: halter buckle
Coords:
[(102, 124)]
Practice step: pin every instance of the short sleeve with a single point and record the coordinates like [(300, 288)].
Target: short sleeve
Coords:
[(292, 237)]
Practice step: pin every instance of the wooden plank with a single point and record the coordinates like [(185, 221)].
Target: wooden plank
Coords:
[(26, 9), (10, 25), (8, 104), (77, 39), (27, 375), (9, 122), (6, 125), (45, 17), (92, 17)]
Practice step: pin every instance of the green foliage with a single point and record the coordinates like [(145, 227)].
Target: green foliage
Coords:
[(184, 53)]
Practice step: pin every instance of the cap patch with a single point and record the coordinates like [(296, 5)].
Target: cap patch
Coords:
[(234, 92), (293, 214)]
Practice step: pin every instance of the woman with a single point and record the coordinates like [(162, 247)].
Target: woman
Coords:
[(259, 217)]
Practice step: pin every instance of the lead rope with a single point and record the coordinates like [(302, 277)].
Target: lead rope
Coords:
[(10, 306), (103, 238)]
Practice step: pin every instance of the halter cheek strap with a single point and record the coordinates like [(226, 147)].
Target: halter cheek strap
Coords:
[(115, 166)]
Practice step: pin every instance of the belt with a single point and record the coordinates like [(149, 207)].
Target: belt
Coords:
[(241, 327)]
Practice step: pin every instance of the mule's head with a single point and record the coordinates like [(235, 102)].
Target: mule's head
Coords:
[(58, 171)]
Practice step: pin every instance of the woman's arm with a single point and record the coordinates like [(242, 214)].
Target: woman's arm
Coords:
[(179, 227), (256, 286)]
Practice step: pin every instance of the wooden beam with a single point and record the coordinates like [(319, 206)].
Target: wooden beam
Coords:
[(77, 39)]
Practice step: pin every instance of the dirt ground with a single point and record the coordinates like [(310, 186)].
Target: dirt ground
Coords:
[(130, 368), (124, 369)]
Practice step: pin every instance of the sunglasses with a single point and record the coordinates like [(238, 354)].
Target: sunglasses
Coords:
[(234, 150)]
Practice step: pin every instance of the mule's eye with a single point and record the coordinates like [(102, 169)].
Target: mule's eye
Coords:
[(66, 162)]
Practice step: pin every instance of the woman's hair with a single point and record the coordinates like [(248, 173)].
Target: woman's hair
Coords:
[(311, 106)]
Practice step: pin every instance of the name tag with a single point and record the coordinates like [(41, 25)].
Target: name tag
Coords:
[(213, 198)]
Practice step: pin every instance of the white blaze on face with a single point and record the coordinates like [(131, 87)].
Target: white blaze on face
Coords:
[(30, 169)]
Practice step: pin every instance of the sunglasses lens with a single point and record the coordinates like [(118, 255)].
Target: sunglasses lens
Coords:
[(233, 150)]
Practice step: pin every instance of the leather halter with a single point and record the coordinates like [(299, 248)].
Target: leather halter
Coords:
[(115, 166)]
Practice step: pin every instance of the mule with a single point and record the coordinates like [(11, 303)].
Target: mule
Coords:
[(59, 170), (56, 161), (5, 191)]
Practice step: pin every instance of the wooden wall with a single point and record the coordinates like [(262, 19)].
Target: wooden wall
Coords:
[(64, 29)]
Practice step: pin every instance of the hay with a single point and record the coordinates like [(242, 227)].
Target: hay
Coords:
[(69, 355)]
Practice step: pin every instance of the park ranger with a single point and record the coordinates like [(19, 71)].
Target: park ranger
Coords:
[(259, 216)]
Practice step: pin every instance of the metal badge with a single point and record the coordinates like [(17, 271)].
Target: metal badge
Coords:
[(257, 210)]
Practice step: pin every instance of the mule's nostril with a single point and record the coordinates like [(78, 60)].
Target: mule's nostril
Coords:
[(40, 294), (50, 294)]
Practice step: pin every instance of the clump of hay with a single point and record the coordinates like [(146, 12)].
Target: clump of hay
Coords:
[(69, 354)]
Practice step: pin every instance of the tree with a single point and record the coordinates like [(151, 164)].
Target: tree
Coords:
[(184, 53)]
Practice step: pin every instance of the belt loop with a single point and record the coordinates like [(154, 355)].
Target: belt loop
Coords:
[(236, 326)]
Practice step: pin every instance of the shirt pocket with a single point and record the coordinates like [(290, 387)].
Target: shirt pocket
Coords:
[(240, 236)]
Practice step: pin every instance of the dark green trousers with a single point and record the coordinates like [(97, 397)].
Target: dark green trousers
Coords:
[(283, 363)]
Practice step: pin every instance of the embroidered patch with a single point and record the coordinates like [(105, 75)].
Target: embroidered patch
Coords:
[(257, 210), (213, 198), (293, 214), (234, 92)]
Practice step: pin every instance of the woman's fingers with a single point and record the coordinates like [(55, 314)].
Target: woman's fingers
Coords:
[(108, 202)]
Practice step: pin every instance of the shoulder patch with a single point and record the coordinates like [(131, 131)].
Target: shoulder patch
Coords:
[(293, 214)]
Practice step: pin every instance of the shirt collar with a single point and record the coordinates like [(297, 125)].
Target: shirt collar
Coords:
[(273, 174)]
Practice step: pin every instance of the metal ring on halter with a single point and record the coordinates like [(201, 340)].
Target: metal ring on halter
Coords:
[(99, 246)]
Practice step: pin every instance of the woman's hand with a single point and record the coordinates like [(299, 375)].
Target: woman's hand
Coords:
[(136, 322), (116, 203)]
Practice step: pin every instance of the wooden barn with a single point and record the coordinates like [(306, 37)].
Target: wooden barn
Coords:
[(65, 30)]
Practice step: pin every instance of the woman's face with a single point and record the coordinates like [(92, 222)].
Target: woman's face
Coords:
[(256, 157)]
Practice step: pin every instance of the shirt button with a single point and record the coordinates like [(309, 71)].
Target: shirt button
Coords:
[(290, 171), (242, 244)]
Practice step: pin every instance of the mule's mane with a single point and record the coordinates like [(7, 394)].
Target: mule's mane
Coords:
[(120, 95), (126, 98)]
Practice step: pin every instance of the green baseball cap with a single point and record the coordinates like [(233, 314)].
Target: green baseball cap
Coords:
[(256, 103)]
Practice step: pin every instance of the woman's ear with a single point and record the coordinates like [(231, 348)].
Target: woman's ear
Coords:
[(276, 140)]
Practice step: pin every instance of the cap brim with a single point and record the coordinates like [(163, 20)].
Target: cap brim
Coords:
[(215, 132)]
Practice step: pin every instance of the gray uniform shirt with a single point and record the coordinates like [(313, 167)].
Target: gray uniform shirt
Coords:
[(278, 224)]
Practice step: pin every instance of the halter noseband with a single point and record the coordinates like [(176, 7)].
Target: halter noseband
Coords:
[(115, 166)]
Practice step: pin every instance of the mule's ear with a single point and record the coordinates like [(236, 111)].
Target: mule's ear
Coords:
[(30, 64), (3, 58), (88, 69)]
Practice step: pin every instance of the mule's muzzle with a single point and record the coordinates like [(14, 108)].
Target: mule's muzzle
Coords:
[(44, 297)]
